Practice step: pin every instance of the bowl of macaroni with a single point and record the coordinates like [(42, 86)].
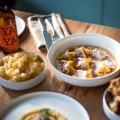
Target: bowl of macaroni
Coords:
[(22, 70)]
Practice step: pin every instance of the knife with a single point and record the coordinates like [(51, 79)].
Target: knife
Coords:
[(46, 36)]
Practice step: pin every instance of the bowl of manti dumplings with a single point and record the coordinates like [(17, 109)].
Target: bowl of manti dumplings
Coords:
[(85, 59), (22, 70)]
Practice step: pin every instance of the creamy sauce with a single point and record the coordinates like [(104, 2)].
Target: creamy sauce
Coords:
[(43, 114), (86, 62)]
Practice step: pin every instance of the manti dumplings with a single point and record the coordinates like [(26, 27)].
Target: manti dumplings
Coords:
[(20, 66), (86, 62)]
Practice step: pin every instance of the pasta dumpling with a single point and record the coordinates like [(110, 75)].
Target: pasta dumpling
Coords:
[(21, 67), (85, 62)]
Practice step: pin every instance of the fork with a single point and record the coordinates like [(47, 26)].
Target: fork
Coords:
[(54, 35)]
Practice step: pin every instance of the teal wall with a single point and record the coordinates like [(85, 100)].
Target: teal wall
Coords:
[(112, 13), (106, 12)]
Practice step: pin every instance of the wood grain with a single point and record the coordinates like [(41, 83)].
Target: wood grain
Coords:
[(90, 98)]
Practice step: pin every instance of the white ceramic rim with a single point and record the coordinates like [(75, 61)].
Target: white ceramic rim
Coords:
[(27, 96), (9, 81), (19, 19), (84, 79)]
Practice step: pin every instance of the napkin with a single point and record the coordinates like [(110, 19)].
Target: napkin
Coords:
[(56, 28)]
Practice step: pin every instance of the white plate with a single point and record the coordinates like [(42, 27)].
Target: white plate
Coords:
[(20, 25), (67, 106)]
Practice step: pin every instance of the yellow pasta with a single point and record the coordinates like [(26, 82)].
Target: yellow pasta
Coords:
[(10, 61), (9, 72), (32, 57), (20, 67), (18, 55), (16, 78), (2, 71), (24, 76), (15, 64), (16, 72), (5, 59)]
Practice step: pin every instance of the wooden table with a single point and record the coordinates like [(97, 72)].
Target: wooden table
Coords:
[(90, 98)]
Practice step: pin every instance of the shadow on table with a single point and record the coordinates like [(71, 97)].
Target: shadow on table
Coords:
[(50, 83), (24, 35)]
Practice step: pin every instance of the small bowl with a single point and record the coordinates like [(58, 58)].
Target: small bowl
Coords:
[(108, 112), (25, 84), (90, 40)]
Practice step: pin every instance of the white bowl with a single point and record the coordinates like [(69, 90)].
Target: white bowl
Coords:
[(25, 84), (85, 39), (109, 113)]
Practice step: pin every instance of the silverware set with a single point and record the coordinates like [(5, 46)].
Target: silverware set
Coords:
[(47, 29), (54, 36), (50, 36)]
